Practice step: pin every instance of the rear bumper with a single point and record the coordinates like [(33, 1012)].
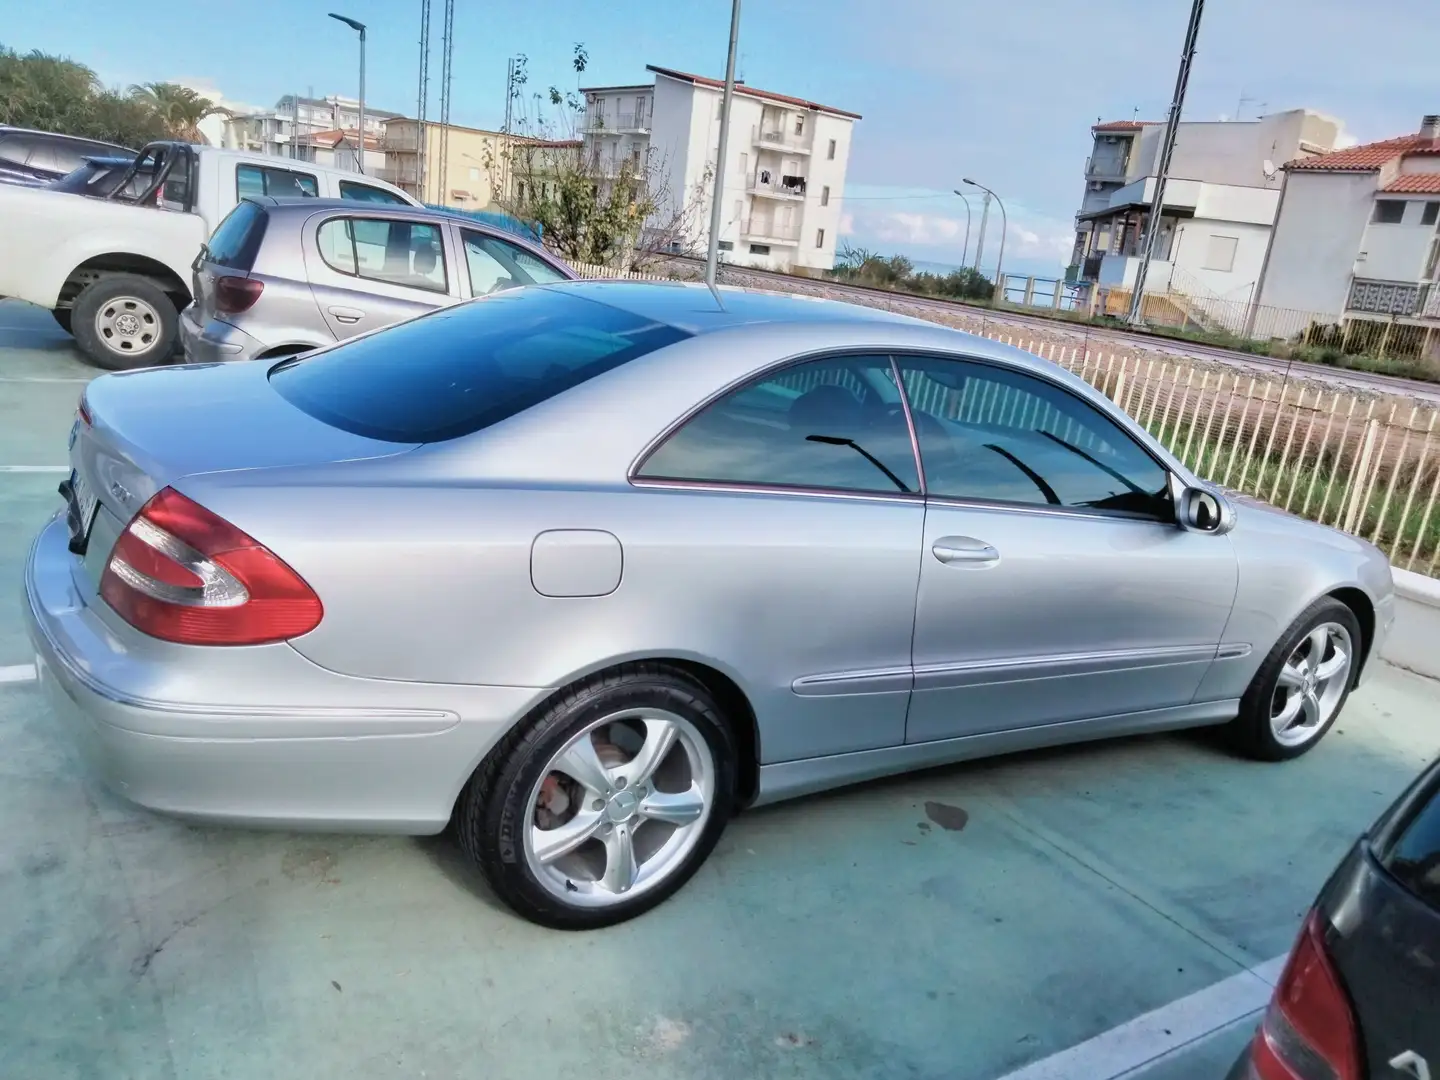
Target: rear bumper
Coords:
[(293, 745), (214, 341)]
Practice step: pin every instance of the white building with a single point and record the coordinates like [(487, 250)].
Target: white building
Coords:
[(784, 173), (1220, 201), (1358, 234), (289, 129)]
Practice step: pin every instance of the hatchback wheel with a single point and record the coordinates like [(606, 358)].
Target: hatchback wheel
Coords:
[(606, 802), (1302, 685)]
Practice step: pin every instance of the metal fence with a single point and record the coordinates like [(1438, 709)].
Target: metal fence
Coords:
[(1363, 463)]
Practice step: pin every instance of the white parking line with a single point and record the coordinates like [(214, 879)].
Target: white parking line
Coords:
[(18, 673), (1137, 1043), (34, 468)]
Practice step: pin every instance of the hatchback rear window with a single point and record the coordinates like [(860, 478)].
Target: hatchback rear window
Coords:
[(461, 369), (236, 240)]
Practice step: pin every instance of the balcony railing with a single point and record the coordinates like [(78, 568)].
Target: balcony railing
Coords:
[(618, 122), (760, 229), (780, 138), (775, 188), (1387, 297)]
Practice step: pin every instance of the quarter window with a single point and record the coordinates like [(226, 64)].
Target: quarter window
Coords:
[(991, 434), (405, 253), (281, 183), (495, 265), (834, 424)]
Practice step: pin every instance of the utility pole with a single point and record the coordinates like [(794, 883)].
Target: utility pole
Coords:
[(984, 218), (424, 97), (447, 55), (1004, 228), (712, 256), (1167, 151)]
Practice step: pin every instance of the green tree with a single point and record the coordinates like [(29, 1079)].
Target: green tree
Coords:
[(179, 108), (51, 93)]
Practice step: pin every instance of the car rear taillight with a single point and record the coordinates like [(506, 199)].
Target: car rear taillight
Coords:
[(180, 573), (82, 410), (236, 294), (1309, 1029)]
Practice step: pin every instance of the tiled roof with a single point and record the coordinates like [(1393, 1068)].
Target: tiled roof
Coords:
[(1368, 157), (749, 91), (333, 137), (1424, 183), (1122, 125)]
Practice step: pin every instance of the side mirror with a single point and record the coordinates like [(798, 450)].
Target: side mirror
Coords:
[(1199, 509)]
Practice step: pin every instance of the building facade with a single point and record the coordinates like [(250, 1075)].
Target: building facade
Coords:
[(1357, 235), (1220, 201), (287, 130), (785, 164), (474, 164)]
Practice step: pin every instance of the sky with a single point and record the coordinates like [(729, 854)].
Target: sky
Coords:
[(1003, 93)]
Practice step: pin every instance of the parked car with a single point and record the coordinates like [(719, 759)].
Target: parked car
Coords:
[(283, 277), (99, 177), (39, 157), (585, 567), (117, 271), (1360, 995)]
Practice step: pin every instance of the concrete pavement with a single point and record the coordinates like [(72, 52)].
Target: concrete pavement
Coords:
[(961, 923)]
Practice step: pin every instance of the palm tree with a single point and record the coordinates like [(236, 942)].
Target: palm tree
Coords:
[(180, 108)]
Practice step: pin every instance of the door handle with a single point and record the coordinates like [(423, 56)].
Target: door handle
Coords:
[(347, 314), (964, 549)]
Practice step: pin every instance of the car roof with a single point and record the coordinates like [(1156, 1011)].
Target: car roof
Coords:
[(694, 308), (303, 205), (11, 129)]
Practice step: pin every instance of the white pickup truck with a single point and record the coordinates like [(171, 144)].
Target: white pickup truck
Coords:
[(116, 271)]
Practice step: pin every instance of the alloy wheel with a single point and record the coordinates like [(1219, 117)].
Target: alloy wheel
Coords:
[(620, 807), (1311, 684)]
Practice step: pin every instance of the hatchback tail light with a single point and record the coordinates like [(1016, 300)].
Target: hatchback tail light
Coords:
[(236, 294), (1309, 1029), (183, 574)]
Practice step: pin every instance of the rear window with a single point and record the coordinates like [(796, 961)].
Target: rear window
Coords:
[(365, 193), (236, 240), (461, 369), (1414, 858)]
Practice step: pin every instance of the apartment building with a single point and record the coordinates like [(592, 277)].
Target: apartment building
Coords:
[(1357, 234), (1220, 201), (480, 167), (289, 128), (784, 173)]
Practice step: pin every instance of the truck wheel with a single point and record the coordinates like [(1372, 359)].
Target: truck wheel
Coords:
[(125, 321), (62, 316)]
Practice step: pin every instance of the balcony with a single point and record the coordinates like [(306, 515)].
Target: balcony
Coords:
[(769, 137), (773, 188), (1388, 297), (763, 231), (625, 123), (1106, 168)]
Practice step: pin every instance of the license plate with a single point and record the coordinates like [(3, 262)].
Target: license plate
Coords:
[(80, 507)]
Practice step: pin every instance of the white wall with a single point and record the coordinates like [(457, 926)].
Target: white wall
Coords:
[(1317, 235), (1229, 203), (1192, 247), (1396, 252), (825, 172)]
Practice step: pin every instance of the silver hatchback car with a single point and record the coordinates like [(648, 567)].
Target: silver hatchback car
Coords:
[(585, 567), (282, 276)]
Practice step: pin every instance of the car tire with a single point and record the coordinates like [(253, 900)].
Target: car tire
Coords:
[(1276, 721), (125, 321), (62, 317), (505, 813)]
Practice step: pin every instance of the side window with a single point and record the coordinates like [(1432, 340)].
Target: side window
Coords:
[(834, 424), (495, 265), (282, 183), (1414, 859), (43, 156), (404, 253), (365, 193), (992, 434)]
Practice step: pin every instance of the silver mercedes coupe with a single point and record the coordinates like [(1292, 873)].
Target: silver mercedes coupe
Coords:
[(585, 568)]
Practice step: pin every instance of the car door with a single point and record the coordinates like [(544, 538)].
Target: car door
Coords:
[(493, 264), (371, 269), (1055, 584), (790, 510)]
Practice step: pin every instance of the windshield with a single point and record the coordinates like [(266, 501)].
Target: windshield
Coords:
[(464, 368)]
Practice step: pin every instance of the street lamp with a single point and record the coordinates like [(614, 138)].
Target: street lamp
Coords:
[(965, 251), (360, 27), (1004, 228)]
